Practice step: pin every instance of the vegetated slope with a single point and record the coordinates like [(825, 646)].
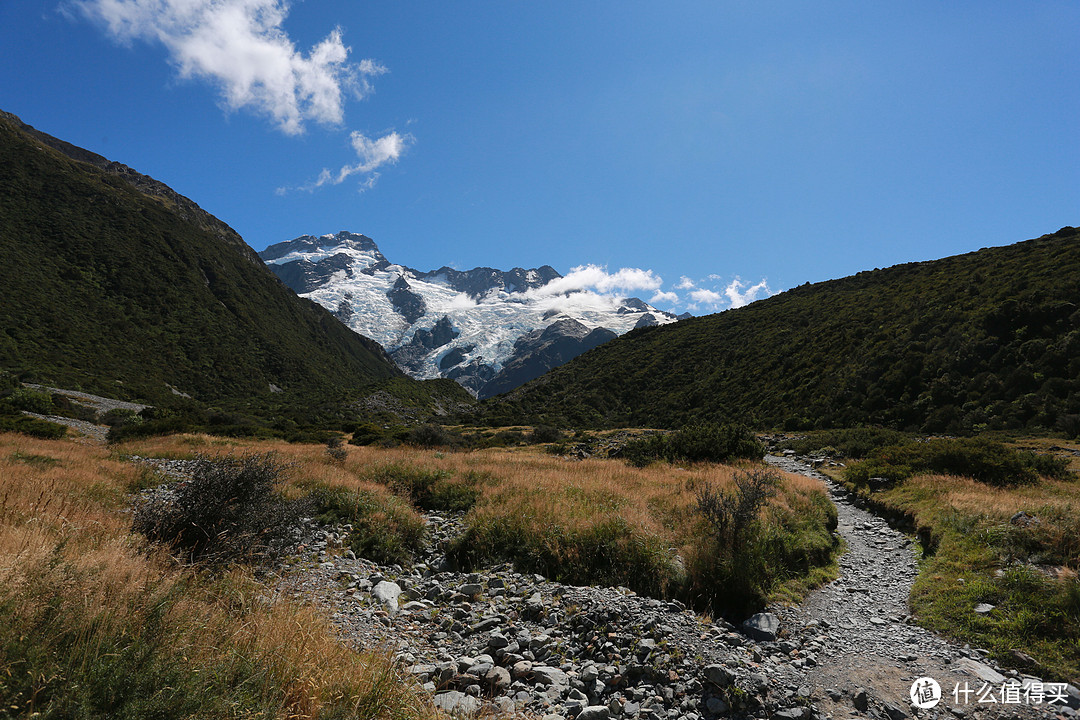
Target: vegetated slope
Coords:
[(985, 340), (112, 282)]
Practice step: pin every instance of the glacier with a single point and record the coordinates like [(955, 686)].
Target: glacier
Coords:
[(465, 325)]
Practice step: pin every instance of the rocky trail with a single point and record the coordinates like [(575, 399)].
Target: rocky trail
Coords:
[(499, 643), (871, 642)]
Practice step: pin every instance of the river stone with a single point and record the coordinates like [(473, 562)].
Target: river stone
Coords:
[(716, 706), (980, 670), (718, 675), (387, 593), (455, 701), (594, 712), (1073, 694), (793, 713), (550, 675), (762, 626), (895, 712), (498, 678)]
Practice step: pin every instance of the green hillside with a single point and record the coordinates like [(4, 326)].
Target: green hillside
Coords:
[(985, 340), (112, 283)]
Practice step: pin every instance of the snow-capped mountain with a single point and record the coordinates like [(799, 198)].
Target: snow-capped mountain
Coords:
[(491, 330)]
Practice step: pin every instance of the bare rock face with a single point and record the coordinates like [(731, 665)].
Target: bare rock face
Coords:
[(407, 303), (541, 350), (412, 355)]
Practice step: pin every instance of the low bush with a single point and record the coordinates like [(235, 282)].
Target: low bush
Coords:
[(754, 545), (734, 513), (32, 426), (119, 416), (65, 407), (432, 490), (987, 461), (854, 443), (384, 528), (35, 401), (433, 436), (545, 434), (694, 443), (227, 511), (608, 551)]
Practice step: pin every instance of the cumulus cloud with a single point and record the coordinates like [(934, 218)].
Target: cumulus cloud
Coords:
[(685, 283), (597, 278), (706, 297), (240, 46), (739, 294), (667, 298)]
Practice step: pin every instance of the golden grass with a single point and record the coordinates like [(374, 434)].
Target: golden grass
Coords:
[(657, 500), (588, 521), (73, 578)]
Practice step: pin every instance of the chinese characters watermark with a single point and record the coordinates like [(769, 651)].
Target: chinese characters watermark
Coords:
[(926, 693)]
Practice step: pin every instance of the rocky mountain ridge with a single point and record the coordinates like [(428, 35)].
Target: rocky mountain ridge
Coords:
[(490, 330)]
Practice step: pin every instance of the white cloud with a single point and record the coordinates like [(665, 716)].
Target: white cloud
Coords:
[(372, 154), (685, 283), (706, 297), (668, 298), (739, 294), (597, 278), (240, 46)]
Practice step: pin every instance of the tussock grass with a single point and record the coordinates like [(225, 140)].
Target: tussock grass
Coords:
[(94, 623), (593, 521)]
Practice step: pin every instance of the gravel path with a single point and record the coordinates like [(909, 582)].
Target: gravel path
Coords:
[(871, 642)]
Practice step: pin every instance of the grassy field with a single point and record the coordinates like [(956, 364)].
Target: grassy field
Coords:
[(97, 621), (94, 623), (588, 521), (980, 550)]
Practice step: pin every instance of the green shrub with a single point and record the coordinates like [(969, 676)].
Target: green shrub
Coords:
[(694, 443), (63, 406), (32, 426), (335, 450), (119, 416), (854, 443), (753, 546), (431, 490), (227, 511), (384, 528), (35, 401), (366, 433), (545, 434), (8, 382), (733, 514), (984, 460), (608, 552), (432, 436)]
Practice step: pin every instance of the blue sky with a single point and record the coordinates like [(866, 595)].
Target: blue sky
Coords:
[(717, 146)]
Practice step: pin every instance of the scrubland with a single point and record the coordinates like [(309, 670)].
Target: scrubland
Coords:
[(97, 621), (94, 622)]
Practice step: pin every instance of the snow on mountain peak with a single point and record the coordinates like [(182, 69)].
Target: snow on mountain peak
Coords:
[(464, 325)]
